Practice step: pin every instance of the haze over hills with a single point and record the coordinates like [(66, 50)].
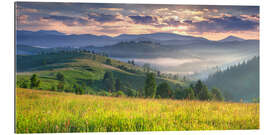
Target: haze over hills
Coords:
[(167, 52)]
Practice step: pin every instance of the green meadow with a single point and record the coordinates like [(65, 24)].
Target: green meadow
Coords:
[(49, 112)]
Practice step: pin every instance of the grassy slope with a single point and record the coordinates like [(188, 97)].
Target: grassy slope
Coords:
[(78, 68), (44, 111)]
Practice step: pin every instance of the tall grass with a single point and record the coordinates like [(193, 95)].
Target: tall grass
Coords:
[(50, 112)]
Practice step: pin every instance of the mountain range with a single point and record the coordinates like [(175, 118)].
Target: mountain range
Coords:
[(52, 39)]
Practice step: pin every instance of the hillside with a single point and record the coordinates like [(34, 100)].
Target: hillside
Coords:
[(54, 112), (238, 82), (81, 68)]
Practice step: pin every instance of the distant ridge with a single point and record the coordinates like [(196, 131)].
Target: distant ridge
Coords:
[(52, 38), (231, 38)]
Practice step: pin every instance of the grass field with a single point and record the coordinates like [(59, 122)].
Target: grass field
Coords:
[(39, 111)]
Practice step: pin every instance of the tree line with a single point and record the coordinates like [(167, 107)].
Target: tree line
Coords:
[(114, 87), (197, 91)]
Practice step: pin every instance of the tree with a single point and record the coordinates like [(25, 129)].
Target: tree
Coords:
[(60, 86), (198, 88), (164, 90), (158, 73), (216, 94), (78, 89), (108, 61), (108, 81), (131, 92), (53, 88), (60, 77), (179, 94), (22, 83), (140, 93), (175, 77), (118, 84), (201, 91), (132, 62), (34, 82), (189, 93), (94, 56), (150, 85), (146, 67), (184, 78), (204, 93)]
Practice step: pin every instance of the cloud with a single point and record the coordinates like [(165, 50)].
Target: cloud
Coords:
[(112, 9), (224, 23), (254, 17), (22, 19), (144, 19), (67, 20), (103, 18), (172, 22), (27, 10)]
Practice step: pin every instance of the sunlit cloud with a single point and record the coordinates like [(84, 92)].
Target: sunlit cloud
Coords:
[(211, 22), (111, 9)]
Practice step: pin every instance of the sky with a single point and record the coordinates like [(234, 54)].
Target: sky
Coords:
[(208, 21)]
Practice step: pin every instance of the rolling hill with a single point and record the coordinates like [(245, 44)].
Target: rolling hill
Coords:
[(81, 68)]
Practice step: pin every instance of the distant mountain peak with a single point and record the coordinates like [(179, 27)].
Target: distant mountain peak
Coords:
[(231, 38), (51, 32)]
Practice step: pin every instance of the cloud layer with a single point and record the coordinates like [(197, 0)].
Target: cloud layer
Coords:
[(212, 22)]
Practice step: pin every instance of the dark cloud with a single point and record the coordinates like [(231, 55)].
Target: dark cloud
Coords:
[(172, 22), (143, 19), (70, 21), (225, 23), (103, 17)]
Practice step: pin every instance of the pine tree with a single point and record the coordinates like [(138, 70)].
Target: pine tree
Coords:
[(118, 84), (164, 90), (34, 82), (150, 85)]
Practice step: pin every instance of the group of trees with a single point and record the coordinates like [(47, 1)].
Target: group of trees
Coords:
[(199, 91), (114, 87), (33, 82), (241, 81)]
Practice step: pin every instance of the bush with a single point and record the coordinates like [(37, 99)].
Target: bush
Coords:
[(53, 88), (216, 94), (104, 93), (91, 92), (23, 84), (60, 77), (131, 92), (120, 94)]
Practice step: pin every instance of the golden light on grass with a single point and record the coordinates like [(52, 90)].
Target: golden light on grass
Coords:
[(44, 111)]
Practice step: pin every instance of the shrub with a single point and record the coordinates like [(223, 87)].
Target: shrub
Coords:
[(131, 92), (104, 93), (60, 77), (120, 94)]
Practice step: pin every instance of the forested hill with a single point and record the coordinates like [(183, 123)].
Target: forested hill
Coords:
[(238, 82)]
